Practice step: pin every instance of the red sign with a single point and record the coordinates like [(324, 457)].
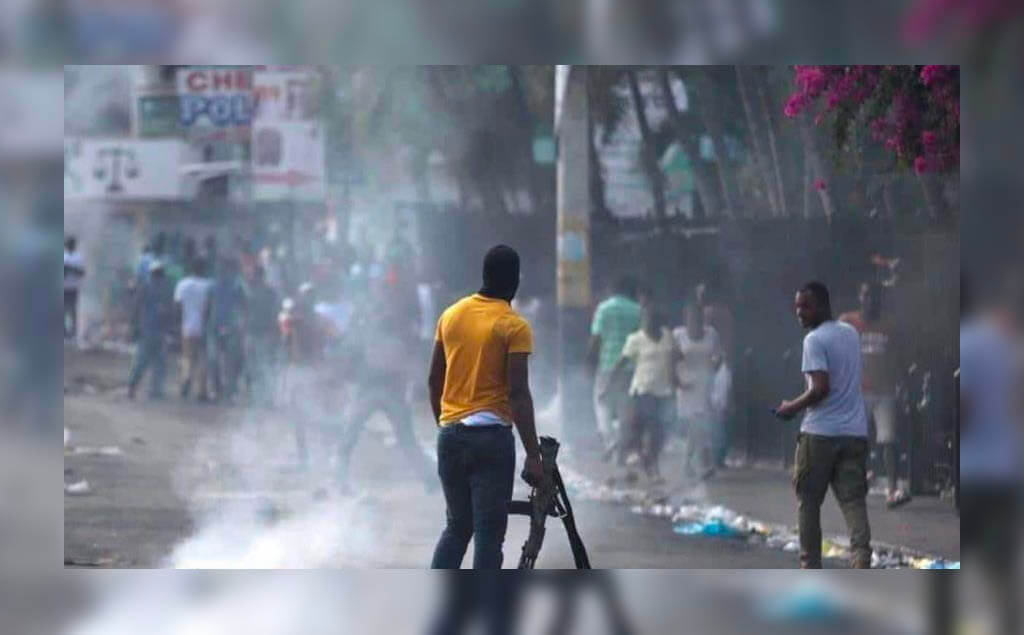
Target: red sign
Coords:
[(208, 80), (218, 96)]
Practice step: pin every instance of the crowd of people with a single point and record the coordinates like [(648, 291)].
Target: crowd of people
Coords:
[(340, 339), (257, 330), (216, 308), (252, 326), (653, 380)]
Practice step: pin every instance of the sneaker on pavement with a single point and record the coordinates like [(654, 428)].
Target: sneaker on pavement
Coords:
[(897, 499)]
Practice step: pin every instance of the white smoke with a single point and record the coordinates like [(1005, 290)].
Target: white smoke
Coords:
[(247, 536), (257, 508), (97, 100), (280, 603)]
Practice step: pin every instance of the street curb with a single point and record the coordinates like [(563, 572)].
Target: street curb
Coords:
[(904, 557)]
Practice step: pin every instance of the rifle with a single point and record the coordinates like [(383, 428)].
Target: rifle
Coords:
[(549, 498)]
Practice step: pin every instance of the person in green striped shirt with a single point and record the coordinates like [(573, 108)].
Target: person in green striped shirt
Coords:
[(614, 320)]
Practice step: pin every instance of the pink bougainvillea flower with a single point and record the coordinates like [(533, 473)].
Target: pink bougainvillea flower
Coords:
[(901, 111)]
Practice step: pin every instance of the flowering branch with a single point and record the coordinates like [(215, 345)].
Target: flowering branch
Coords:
[(913, 111)]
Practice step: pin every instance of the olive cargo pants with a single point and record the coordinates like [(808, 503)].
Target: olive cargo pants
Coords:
[(842, 463)]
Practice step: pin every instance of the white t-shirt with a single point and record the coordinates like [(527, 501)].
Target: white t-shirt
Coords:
[(990, 442), (192, 293), (73, 280), (695, 370), (834, 347), (721, 387), (484, 418), (653, 363)]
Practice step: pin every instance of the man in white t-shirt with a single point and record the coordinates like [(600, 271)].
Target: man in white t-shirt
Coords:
[(192, 297), (74, 271), (833, 446)]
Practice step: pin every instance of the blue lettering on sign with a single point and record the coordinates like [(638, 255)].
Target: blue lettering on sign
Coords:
[(241, 108), (220, 110)]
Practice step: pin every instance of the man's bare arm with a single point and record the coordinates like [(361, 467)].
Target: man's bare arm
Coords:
[(677, 358), (435, 379), (521, 402), (616, 370), (817, 389)]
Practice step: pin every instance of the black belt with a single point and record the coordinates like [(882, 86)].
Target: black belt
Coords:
[(463, 426)]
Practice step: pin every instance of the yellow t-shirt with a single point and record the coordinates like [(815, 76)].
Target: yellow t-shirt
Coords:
[(478, 333)]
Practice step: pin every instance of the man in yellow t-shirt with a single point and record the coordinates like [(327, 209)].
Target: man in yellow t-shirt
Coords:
[(479, 389)]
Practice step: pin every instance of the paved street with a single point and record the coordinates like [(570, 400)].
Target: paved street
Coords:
[(180, 484), (926, 525)]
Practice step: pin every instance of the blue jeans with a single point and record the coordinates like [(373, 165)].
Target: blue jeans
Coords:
[(149, 352), (477, 467)]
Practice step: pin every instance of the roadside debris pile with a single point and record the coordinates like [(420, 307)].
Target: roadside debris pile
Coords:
[(78, 488), (699, 518), (105, 450)]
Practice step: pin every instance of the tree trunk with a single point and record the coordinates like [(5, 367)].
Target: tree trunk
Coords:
[(650, 162), (534, 190), (686, 136), (597, 200), (931, 187), (890, 208), (817, 165), (755, 142), (807, 185), (769, 124), (711, 115)]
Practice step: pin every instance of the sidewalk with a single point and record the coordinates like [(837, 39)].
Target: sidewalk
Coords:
[(925, 526)]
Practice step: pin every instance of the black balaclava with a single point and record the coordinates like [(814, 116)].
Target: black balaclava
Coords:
[(501, 273)]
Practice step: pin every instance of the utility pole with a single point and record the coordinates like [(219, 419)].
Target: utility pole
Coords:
[(574, 255)]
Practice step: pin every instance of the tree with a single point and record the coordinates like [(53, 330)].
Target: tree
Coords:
[(480, 120), (913, 110), (817, 168), (707, 100), (687, 134), (607, 108), (760, 160), (648, 152), (763, 91)]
